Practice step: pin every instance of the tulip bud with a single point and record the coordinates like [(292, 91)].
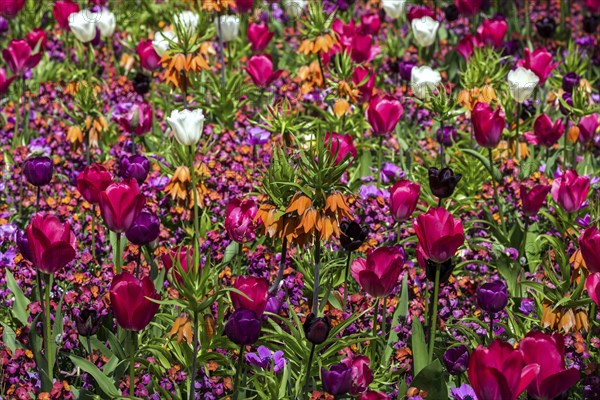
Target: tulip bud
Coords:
[(243, 327), (570, 190), (539, 62), (149, 58), (255, 294), (378, 273), (492, 297), (120, 204), (187, 21), (135, 166), (546, 27), (340, 146), (239, 220), (337, 380), (141, 83), (145, 229), (273, 305), (162, 42), (62, 10), (87, 322), (446, 136), (20, 58), (393, 8), (38, 170), (383, 114), (424, 31), (93, 180), (23, 245), (406, 68), (456, 359), (589, 243), (3, 25), (261, 70), (548, 133), (404, 196), (353, 235), (570, 81), (52, 244), (106, 22), (83, 26), (533, 199), (259, 36), (229, 27), (488, 124), (424, 80), (130, 301), (439, 233), (316, 329), (568, 99), (442, 182), (187, 126), (587, 127)]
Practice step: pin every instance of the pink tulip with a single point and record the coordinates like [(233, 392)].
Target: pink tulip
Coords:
[(378, 273), (439, 234), (404, 196), (345, 32), (340, 146), (259, 36), (93, 180), (10, 8), (593, 6), (549, 353), (588, 126), (570, 190), (137, 120), (362, 376), (370, 24), (589, 243), (120, 203), (417, 12), (149, 58), (362, 49), (37, 38), (4, 82), (51, 243), (239, 220), (260, 69), (592, 284), (487, 124), (532, 200), (468, 8), (548, 133), (539, 62), (383, 114), (256, 291), (244, 6), (466, 46), (61, 12), (492, 31), (18, 55), (183, 255), (364, 79), (130, 301)]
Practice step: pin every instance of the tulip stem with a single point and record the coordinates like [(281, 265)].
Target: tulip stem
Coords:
[(93, 231), (195, 200), (192, 392), (491, 327), (48, 329), (275, 286), (238, 373), (380, 161), (310, 360), (517, 146), (384, 318), (495, 186), (117, 253), (346, 297), (221, 52), (442, 155), (89, 348), (375, 313), (132, 338), (436, 293), (315, 303)]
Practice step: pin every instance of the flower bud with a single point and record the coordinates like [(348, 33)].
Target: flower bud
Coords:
[(492, 296), (38, 170), (243, 327), (456, 359), (316, 329), (442, 182), (353, 235)]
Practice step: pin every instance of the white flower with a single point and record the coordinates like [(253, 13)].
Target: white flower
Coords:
[(187, 21), (294, 8), (423, 80), (521, 83), (162, 42), (83, 25), (106, 22), (230, 27), (187, 125), (393, 8), (424, 30)]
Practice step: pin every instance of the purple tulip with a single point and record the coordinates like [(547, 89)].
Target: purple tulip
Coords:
[(337, 380), (492, 296), (446, 136), (456, 359), (38, 170), (316, 329), (136, 166), (570, 81), (243, 327), (145, 229), (23, 245)]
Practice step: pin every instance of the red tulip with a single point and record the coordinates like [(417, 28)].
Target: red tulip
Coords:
[(570, 190), (468, 7), (592, 284), (259, 36), (539, 62), (587, 128), (383, 114), (120, 203), (466, 46), (130, 303), (378, 273), (362, 49), (137, 120), (5, 83), (533, 199), (346, 32), (487, 124), (256, 290), (37, 39), (52, 244), (61, 12), (260, 69), (244, 6), (404, 196), (439, 234), (370, 24), (340, 146), (499, 372), (364, 79), (548, 133), (593, 5), (184, 255), (417, 12), (18, 55), (149, 58), (492, 31), (93, 180), (10, 8), (362, 376), (589, 243), (239, 220)]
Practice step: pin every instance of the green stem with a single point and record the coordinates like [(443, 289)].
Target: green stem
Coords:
[(240, 366), (117, 253), (442, 155), (315, 303), (383, 319), (93, 231), (375, 313), (132, 338), (275, 285), (494, 185), (565, 142), (380, 161), (192, 390), (221, 52), (196, 236), (346, 296), (517, 147), (308, 365), (436, 293), (48, 329), (89, 348), (491, 327)]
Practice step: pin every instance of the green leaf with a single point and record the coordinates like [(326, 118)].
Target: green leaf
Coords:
[(431, 379), (9, 337), (419, 347), (230, 252), (401, 311), (19, 309), (494, 172), (104, 383)]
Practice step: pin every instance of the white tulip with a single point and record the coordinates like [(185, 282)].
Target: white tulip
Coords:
[(83, 25), (521, 83), (187, 21), (187, 125), (294, 8), (162, 42), (425, 30), (393, 8), (230, 27), (423, 80), (106, 22)]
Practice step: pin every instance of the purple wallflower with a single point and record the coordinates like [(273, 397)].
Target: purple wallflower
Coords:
[(464, 392), (258, 136), (264, 358)]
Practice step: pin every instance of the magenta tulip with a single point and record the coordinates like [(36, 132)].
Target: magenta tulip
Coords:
[(487, 124), (61, 12), (418, 12), (532, 200), (244, 6), (345, 32), (183, 255), (18, 55), (239, 219), (149, 58), (37, 39), (370, 24), (120, 203), (439, 234), (466, 46), (260, 68), (589, 243), (93, 180), (130, 301), (4, 82), (383, 114), (592, 284), (10, 8), (468, 8), (570, 190), (51, 243), (539, 62), (378, 273), (259, 36), (340, 146), (364, 79), (548, 133), (492, 31), (588, 126), (362, 49), (593, 5), (404, 196), (256, 290), (137, 119), (362, 376)]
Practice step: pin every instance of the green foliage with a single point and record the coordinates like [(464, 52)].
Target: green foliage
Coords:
[(485, 67)]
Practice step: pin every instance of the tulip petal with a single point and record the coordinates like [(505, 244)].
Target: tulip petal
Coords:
[(56, 256), (557, 384)]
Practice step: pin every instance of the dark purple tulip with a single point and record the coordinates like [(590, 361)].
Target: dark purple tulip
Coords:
[(23, 245), (353, 235), (590, 23), (243, 327), (451, 13), (144, 230), (3, 25), (87, 322), (337, 380), (446, 136), (568, 98), (492, 296), (456, 359), (442, 182), (546, 27), (406, 70), (316, 329), (273, 305), (136, 166), (38, 170), (570, 81)]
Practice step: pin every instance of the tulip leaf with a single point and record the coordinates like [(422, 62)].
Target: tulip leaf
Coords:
[(19, 309), (431, 379), (9, 337), (494, 172), (401, 311), (104, 382), (230, 252), (419, 347)]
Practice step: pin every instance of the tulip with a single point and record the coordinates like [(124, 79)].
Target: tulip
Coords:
[(184, 256), (570, 81), (565, 108), (468, 8), (378, 273), (370, 24), (187, 21), (19, 57), (345, 32), (492, 297), (87, 322), (404, 196), (130, 301), (362, 376), (488, 124), (548, 133), (135, 166), (593, 6), (120, 204), (588, 126), (259, 36), (424, 31), (106, 22), (590, 24), (370, 395), (62, 10), (38, 170), (456, 359), (23, 245), (492, 31), (439, 234), (92, 181), (83, 26), (149, 58), (570, 190), (51, 243), (256, 294), (239, 220), (362, 49), (443, 182), (37, 40), (340, 146), (258, 136), (243, 327), (364, 79), (546, 27), (187, 126), (3, 26), (10, 8), (229, 27), (294, 8), (405, 70), (592, 284), (466, 46), (244, 6), (589, 243), (137, 119), (393, 8), (5, 83), (260, 69), (540, 63), (316, 329), (337, 380), (532, 200), (500, 372), (424, 80), (416, 12), (383, 114), (144, 230), (451, 13), (162, 42), (447, 135), (353, 235)]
